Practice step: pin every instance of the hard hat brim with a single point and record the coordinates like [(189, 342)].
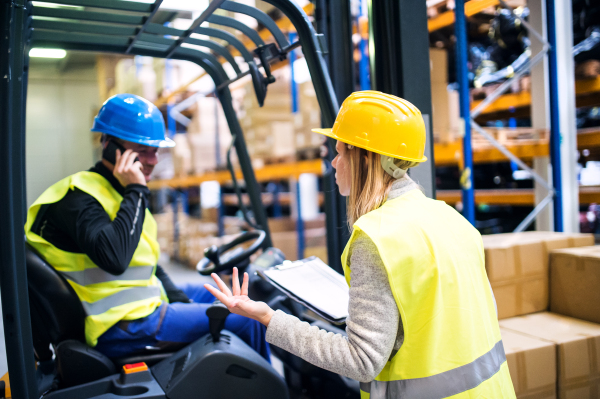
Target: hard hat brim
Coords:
[(329, 133), (160, 143)]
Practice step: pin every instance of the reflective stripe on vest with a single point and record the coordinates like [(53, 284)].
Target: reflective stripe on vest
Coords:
[(97, 275), (120, 298), (443, 385)]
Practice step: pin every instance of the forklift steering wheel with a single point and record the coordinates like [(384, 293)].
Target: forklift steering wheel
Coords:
[(216, 258)]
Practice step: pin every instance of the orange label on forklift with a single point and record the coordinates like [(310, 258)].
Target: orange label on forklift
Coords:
[(6, 385), (135, 368)]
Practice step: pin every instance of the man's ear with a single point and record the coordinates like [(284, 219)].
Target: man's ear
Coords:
[(104, 141)]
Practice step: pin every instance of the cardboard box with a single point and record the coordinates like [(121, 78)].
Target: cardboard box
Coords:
[(289, 224), (444, 103), (532, 365), (578, 350), (575, 282), (287, 242), (517, 265), (438, 62)]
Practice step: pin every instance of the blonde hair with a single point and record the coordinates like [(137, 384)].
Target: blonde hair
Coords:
[(370, 182)]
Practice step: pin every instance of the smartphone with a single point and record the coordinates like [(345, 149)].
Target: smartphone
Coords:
[(110, 152)]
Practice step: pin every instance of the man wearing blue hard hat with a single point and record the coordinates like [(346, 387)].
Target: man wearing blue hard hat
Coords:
[(95, 229)]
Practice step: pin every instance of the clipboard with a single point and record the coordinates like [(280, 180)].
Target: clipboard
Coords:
[(313, 284)]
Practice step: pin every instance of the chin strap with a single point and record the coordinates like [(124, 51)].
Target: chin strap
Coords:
[(388, 165)]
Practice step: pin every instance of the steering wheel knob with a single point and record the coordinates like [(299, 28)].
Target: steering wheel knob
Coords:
[(212, 253)]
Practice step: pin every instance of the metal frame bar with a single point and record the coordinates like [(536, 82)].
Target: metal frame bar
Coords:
[(13, 274), (155, 8), (364, 77), (109, 4), (229, 38), (299, 222), (466, 181), (334, 22), (88, 15), (217, 48), (212, 6), (221, 50), (555, 156), (71, 26), (260, 17), (293, 84), (235, 24)]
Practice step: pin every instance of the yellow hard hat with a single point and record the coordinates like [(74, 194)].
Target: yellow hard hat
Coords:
[(381, 123)]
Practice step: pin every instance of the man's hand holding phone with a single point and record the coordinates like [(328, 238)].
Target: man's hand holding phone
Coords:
[(127, 170)]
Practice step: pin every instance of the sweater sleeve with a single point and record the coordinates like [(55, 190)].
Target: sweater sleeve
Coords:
[(372, 324)]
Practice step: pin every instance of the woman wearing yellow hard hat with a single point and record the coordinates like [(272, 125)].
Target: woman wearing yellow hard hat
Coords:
[(422, 321)]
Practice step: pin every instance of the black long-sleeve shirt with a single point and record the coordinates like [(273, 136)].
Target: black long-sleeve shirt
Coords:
[(79, 224)]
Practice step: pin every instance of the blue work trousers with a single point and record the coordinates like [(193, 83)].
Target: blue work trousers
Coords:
[(181, 323)]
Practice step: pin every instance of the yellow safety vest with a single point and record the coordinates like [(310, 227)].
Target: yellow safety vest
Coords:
[(106, 298), (435, 265)]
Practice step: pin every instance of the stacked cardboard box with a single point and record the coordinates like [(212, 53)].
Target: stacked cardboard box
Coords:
[(308, 117), (575, 283), (269, 130), (532, 365), (194, 235), (285, 237), (273, 132), (577, 346), (445, 107), (517, 265), (166, 229), (209, 136)]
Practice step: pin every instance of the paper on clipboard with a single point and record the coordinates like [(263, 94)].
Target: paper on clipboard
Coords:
[(314, 283)]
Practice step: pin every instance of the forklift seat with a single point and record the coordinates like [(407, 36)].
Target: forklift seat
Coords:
[(58, 319), (57, 314)]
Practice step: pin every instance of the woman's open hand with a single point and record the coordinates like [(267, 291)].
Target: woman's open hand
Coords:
[(238, 301)]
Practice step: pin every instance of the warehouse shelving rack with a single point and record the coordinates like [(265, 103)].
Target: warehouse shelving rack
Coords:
[(560, 190), (126, 27), (549, 110)]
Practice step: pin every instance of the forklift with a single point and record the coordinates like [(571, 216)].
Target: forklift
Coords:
[(43, 318)]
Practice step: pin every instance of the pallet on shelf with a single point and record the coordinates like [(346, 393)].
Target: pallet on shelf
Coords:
[(587, 93), (512, 136)]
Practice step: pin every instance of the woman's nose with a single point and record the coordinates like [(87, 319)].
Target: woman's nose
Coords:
[(335, 161)]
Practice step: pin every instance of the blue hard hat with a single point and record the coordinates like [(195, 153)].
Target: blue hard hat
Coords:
[(132, 118)]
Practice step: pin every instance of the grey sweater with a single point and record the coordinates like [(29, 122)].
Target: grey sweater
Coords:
[(373, 326)]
